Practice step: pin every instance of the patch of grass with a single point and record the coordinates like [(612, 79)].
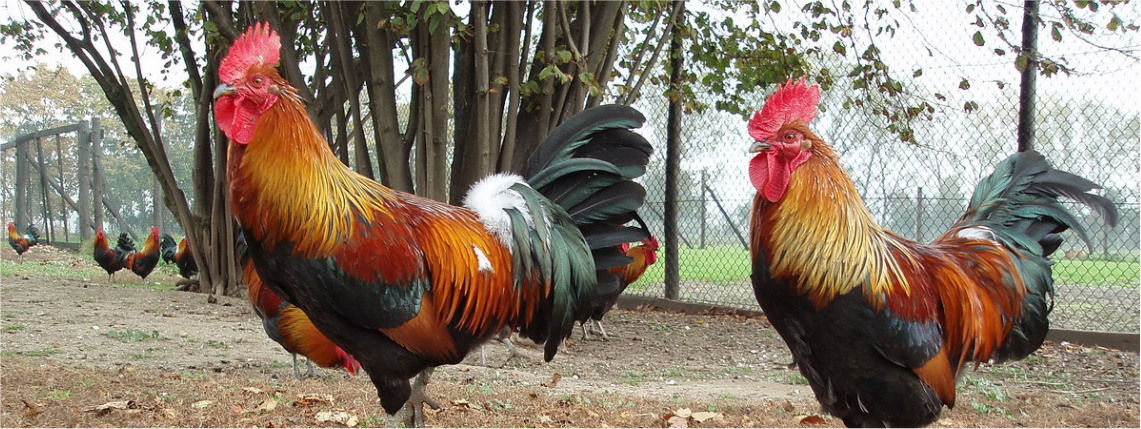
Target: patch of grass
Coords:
[(280, 364), (32, 353), (793, 379), (373, 421), (58, 395), (133, 336), (738, 370), (16, 327), (141, 356), (632, 378), (8, 316), (217, 344), (1124, 274)]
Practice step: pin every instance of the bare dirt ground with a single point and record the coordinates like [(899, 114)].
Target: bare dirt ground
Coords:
[(81, 352)]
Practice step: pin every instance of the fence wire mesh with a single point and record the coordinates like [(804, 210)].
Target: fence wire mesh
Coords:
[(1087, 124)]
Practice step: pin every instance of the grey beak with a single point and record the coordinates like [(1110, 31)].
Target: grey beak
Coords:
[(756, 147), (223, 90)]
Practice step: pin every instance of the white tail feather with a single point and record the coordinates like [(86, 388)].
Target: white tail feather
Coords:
[(490, 196)]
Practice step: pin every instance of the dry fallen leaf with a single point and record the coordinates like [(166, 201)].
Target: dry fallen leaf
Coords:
[(201, 404), (267, 406), (30, 411), (678, 422), (114, 405), (253, 390), (170, 414), (702, 416), (554, 380), (341, 417), (812, 420), (683, 413)]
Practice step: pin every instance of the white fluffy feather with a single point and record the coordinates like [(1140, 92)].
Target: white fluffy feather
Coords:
[(484, 263), (490, 197), (977, 232)]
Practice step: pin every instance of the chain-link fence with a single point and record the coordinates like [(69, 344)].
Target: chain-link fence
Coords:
[(1087, 123)]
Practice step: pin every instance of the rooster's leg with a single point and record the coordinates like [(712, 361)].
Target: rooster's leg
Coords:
[(584, 335), (601, 330), (296, 372), (412, 415), (482, 355), (309, 369), (515, 353)]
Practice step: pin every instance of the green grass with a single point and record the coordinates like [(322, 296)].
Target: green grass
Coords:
[(730, 265), (59, 394), (1097, 273), (16, 327), (133, 336)]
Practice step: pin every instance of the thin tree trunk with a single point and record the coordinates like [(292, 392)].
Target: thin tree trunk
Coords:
[(62, 194), (96, 175), (83, 176), (391, 155)]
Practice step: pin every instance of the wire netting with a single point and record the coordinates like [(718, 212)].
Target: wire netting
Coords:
[(1087, 123)]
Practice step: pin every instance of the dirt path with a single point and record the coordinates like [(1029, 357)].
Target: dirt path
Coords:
[(69, 345)]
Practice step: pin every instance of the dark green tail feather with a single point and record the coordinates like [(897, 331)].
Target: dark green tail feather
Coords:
[(1019, 203), (585, 167)]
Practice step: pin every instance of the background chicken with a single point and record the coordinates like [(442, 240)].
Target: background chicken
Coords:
[(112, 259), (404, 283), (167, 247), (184, 260), (881, 325), (21, 243), (287, 325), (644, 255), (144, 261)]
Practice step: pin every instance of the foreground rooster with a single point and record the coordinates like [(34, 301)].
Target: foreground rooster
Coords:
[(144, 261), (288, 326), (404, 283), (21, 243), (880, 325), (112, 259)]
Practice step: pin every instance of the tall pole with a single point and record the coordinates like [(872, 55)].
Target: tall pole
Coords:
[(673, 162), (1029, 76)]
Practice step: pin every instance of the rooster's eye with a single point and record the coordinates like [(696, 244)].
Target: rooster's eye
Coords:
[(789, 136), (258, 81)]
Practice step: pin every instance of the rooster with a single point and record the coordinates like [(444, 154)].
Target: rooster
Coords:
[(880, 325), (184, 260), (403, 283), (21, 243), (167, 248), (644, 255), (144, 261), (288, 326), (112, 259)]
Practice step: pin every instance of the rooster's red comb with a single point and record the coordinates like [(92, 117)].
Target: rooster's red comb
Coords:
[(793, 102), (258, 45)]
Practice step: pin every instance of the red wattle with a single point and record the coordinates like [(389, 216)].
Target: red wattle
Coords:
[(769, 174)]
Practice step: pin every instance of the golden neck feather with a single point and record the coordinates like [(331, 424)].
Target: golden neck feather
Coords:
[(287, 182), (822, 237)]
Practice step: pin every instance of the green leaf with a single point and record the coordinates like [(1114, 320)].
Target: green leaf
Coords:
[(1056, 34), (839, 48), (1021, 62), (978, 38), (917, 73), (964, 84), (774, 7), (564, 56)]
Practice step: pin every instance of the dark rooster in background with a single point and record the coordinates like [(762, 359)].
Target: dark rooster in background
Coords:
[(112, 259), (144, 261), (167, 248), (184, 260), (288, 326), (644, 255), (21, 243), (403, 283), (881, 325)]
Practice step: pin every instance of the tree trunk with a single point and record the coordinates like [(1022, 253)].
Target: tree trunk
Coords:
[(83, 176), (96, 172), (673, 165), (48, 225), (392, 158)]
